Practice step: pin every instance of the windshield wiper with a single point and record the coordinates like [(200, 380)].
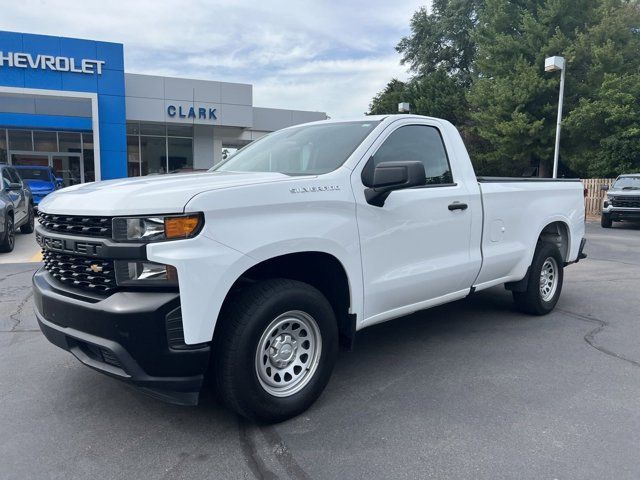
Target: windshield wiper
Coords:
[(630, 188)]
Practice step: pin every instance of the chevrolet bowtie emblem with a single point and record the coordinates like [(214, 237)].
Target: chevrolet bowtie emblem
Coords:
[(95, 268)]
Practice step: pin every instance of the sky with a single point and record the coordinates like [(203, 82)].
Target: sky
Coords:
[(331, 56)]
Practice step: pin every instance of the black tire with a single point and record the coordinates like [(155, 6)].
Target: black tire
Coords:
[(30, 225), (532, 300), (9, 240), (605, 221), (245, 321)]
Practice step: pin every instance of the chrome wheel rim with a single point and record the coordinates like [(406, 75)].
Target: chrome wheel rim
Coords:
[(548, 279), (288, 353)]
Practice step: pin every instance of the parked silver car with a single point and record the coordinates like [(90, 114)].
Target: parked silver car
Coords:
[(16, 207)]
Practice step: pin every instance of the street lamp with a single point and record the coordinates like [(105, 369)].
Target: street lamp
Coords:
[(553, 64)]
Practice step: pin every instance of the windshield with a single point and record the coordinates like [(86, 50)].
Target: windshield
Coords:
[(34, 174), (306, 150), (627, 183)]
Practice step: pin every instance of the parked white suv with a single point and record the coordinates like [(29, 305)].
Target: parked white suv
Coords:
[(622, 201), (253, 270)]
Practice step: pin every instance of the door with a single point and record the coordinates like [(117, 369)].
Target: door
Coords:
[(415, 249), (22, 207), (68, 167)]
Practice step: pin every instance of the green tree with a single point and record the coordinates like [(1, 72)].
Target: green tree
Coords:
[(436, 95), (479, 63), (442, 40), (514, 101), (387, 100), (440, 53), (607, 128)]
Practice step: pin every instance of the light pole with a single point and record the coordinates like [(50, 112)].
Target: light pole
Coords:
[(553, 64)]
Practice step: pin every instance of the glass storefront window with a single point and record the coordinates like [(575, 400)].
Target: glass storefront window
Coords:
[(3, 145), (133, 128), (20, 140), (180, 131), (69, 142), (159, 148), (70, 153), (133, 156), (159, 129), (45, 141), (153, 155), (87, 147), (180, 154)]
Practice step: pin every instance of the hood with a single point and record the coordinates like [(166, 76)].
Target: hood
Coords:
[(147, 195), (40, 185)]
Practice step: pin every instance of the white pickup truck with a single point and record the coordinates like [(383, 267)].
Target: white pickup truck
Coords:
[(254, 270)]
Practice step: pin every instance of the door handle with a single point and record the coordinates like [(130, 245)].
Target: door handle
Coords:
[(458, 206)]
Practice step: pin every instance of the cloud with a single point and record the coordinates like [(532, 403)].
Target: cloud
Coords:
[(331, 56)]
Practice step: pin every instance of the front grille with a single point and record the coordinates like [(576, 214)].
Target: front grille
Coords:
[(91, 274), (77, 225), (626, 202)]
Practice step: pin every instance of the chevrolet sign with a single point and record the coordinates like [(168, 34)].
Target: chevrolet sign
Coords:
[(50, 62)]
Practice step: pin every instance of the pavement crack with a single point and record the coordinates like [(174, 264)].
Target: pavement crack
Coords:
[(283, 454), (590, 336), (250, 452), (15, 273), (14, 316), (633, 264)]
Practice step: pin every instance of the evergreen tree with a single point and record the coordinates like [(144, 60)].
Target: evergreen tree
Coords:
[(479, 63)]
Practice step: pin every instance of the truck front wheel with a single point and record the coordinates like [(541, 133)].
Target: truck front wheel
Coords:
[(275, 350), (545, 281), (605, 221)]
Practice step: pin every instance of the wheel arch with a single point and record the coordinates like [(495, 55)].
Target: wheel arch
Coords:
[(556, 232), (319, 269), (559, 234)]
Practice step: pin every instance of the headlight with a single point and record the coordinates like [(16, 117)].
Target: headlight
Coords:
[(137, 273), (156, 228)]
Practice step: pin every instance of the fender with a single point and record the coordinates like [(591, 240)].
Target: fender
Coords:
[(350, 261)]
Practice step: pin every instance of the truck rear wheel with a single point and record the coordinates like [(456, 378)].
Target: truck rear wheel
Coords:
[(275, 350), (545, 281)]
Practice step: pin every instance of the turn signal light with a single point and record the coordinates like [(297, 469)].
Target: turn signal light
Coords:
[(181, 227)]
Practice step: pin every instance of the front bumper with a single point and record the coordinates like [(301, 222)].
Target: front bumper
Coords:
[(616, 213), (127, 335)]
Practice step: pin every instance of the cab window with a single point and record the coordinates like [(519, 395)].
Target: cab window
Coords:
[(418, 143), (6, 180), (14, 176)]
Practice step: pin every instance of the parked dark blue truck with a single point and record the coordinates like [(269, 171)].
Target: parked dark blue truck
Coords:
[(41, 180)]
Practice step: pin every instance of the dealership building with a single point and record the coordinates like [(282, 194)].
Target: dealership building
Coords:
[(69, 104)]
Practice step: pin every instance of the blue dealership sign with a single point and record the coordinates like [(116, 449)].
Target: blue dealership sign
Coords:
[(42, 62)]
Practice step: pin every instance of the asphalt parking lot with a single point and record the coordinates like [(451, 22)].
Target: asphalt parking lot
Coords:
[(468, 390)]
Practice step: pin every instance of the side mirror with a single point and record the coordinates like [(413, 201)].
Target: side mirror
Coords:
[(59, 182), (14, 186), (604, 187), (390, 176)]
